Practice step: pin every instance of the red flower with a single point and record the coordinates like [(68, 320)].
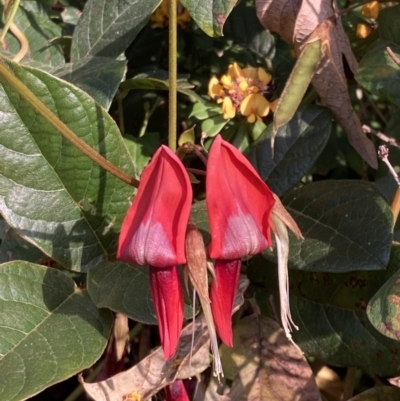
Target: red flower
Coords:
[(153, 233), (239, 205), (176, 391)]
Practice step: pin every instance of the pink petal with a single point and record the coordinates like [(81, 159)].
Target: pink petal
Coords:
[(153, 231), (167, 295), (239, 204), (223, 291)]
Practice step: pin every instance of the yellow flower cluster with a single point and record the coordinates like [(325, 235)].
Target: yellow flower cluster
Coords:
[(369, 10), (160, 16), (242, 91)]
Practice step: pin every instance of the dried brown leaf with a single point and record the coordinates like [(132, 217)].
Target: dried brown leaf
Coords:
[(153, 373), (264, 365), (285, 216), (279, 16), (311, 14)]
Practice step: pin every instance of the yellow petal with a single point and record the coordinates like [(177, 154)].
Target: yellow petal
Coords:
[(254, 104), (250, 72), (273, 105), (215, 88), (227, 108), (226, 80), (235, 71), (371, 10), (251, 118), (263, 76), (243, 85), (363, 31)]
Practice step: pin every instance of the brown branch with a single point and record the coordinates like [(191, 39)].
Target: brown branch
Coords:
[(391, 141), (393, 56)]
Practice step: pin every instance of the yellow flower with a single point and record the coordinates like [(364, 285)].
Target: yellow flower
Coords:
[(254, 107), (371, 10), (215, 90), (228, 109), (241, 90), (160, 16), (363, 31)]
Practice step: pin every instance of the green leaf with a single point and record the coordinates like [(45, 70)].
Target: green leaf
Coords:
[(210, 15), (49, 331), (244, 27), (107, 27), (383, 308), (123, 288), (214, 125), (39, 31), (388, 24), (379, 73), (379, 393), (53, 195), (297, 146), (347, 226), (202, 110), (97, 76), (330, 310), (159, 81), (14, 247)]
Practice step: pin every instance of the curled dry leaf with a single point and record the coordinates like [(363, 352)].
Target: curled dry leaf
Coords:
[(153, 373), (301, 22), (264, 365)]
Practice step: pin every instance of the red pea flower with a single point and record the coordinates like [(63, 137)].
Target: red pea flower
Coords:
[(153, 233), (176, 391), (239, 205)]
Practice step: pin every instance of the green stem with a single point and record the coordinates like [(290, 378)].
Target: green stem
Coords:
[(172, 72), (10, 9), (62, 128)]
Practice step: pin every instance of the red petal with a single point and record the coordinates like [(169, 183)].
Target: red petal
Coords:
[(167, 296), (176, 391), (239, 204), (223, 291), (153, 231)]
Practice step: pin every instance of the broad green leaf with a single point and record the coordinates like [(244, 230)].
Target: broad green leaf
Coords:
[(141, 150), (347, 226), (49, 329), (330, 310), (244, 28), (214, 125), (123, 288), (383, 308), (379, 393), (297, 146), (379, 73), (202, 110), (159, 81), (210, 15), (107, 27), (388, 24), (53, 195), (97, 76), (39, 30), (264, 365), (14, 247)]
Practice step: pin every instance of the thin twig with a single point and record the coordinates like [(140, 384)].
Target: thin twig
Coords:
[(196, 171), (383, 154), (391, 141), (393, 56)]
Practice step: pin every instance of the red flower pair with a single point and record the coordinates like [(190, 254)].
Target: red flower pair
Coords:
[(239, 205)]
